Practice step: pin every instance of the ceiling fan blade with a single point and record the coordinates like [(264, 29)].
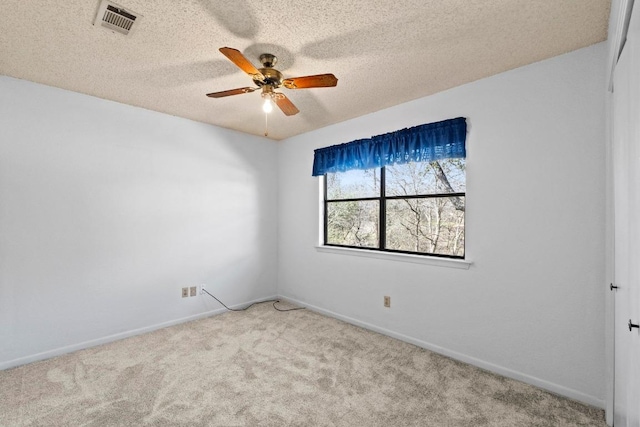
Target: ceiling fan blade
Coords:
[(243, 63), (319, 80), (285, 105), (230, 92)]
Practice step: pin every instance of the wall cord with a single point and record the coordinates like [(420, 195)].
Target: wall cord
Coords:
[(274, 301)]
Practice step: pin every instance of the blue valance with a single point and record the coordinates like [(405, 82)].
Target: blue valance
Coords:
[(423, 143)]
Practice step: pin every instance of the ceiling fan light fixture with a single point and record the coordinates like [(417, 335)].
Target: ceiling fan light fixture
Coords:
[(267, 106)]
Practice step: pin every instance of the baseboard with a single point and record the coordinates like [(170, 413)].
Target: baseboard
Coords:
[(543, 384), (552, 387), (115, 337)]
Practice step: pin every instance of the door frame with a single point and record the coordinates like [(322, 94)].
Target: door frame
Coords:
[(619, 18)]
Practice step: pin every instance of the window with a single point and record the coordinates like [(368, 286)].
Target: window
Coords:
[(402, 191), (415, 207)]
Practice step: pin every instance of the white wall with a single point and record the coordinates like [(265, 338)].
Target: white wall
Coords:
[(107, 210), (532, 304)]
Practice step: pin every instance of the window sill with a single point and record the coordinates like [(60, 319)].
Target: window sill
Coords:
[(417, 259)]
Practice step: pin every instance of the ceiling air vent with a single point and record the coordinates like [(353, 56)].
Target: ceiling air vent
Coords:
[(115, 17)]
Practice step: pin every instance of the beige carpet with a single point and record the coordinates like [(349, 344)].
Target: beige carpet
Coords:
[(266, 368)]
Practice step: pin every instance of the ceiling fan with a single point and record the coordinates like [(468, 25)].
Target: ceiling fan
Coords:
[(269, 79)]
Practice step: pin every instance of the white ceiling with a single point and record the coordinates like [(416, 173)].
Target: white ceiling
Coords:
[(383, 53)]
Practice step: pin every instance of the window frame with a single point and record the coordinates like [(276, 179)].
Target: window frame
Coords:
[(382, 199)]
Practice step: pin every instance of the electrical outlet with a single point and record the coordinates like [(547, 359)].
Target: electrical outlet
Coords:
[(202, 289), (193, 291), (387, 301), (185, 292)]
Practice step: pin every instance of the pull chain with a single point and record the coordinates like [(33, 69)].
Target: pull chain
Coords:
[(266, 124)]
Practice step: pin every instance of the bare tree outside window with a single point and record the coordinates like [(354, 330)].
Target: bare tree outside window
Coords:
[(353, 222), (422, 206)]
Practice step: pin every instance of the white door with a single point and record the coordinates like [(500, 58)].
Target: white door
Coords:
[(626, 159)]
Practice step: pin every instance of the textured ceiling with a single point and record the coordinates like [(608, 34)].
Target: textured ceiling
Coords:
[(384, 53)]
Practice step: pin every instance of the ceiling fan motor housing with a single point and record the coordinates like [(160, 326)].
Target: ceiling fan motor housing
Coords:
[(272, 77)]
